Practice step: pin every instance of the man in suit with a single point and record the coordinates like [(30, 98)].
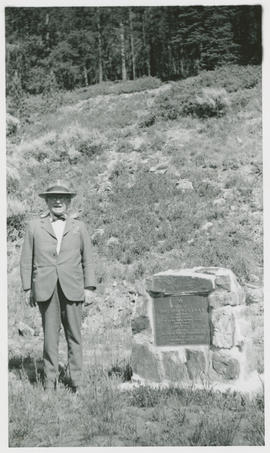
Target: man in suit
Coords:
[(57, 273)]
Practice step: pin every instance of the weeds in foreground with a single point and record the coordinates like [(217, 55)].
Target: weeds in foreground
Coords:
[(104, 415), (216, 429)]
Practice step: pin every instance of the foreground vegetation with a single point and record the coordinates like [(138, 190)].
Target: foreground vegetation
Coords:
[(168, 177), (104, 414)]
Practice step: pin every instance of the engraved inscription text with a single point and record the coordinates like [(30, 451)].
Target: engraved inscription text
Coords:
[(181, 320)]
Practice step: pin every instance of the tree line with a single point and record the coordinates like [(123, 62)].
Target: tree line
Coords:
[(72, 47)]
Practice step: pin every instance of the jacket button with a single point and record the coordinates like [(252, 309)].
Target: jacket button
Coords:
[(54, 254)]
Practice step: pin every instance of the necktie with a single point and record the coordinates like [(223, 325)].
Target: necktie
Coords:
[(60, 217)]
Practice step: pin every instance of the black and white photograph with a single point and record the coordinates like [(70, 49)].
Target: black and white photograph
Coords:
[(134, 224)]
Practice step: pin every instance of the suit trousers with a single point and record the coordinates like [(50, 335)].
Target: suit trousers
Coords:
[(55, 311)]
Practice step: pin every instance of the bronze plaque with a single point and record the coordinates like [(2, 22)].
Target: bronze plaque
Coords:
[(181, 320)]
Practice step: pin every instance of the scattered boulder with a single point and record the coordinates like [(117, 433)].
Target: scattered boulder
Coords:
[(160, 168), (105, 187), (219, 202), (227, 194), (184, 184), (112, 241), (137, 142), (12, 124), (97, 235), (254, 294), (25, 330), (207, 226), (140, 323)]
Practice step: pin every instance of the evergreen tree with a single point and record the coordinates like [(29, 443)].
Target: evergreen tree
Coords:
[(79, 46)]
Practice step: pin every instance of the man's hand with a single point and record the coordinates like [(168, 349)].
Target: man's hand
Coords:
[(88, 296), (28, 298)]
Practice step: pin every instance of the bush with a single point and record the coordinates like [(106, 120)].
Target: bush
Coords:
[(15, 218), (206, 95), (201, 103), (211, 102), (231, 77), (12, 124), (141, 84), (107, 88), (144, 396), (13, 178), (216, 429), (147, 121), (90, 148)]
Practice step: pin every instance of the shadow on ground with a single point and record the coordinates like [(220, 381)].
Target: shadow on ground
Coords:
[(32, 369)]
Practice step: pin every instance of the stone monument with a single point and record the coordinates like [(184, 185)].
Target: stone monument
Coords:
[(193, 327)]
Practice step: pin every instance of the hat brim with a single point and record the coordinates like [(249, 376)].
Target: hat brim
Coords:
[(48, 194)]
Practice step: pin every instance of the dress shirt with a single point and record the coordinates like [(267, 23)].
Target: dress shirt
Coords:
[(58, 228)]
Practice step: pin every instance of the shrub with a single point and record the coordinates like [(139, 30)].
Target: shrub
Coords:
[(147, 120), (231, 77), (15, 218), (12, 124), (107, 88), (211, 102), (141, 84), (207, 95), (121, 370), (89, 148), (202, 103), (216, 429), (13, 178), (144, 396), (255, 429)]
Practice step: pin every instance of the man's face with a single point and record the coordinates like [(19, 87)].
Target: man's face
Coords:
[(58, 204)]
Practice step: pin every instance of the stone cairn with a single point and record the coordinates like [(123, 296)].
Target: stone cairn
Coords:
[(192, 327)]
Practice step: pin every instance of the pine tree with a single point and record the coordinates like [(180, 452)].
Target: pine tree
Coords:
[(84, 45), (132, 42)]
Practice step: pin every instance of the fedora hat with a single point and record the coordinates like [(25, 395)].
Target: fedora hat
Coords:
[(58, 188)]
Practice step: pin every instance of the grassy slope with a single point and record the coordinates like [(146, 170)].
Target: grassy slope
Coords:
[(105, 148)]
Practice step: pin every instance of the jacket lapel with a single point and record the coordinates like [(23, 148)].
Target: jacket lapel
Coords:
[(68, 226), (47, 225)]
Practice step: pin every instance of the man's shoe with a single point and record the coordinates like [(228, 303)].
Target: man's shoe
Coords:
[(74, 389)]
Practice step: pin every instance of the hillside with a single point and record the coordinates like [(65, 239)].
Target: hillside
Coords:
[(127, 156), (167, 175)]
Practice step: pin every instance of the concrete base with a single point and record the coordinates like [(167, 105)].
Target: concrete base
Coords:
[(251, 387)]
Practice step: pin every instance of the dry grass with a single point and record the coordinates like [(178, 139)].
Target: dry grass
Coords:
[(144, 416)]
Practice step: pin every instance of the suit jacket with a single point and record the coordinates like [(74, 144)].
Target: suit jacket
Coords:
[(41, 266)]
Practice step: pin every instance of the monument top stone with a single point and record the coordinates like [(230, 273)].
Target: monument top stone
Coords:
[(184, 281)]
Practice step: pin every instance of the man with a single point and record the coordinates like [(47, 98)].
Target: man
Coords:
[(57, 273)]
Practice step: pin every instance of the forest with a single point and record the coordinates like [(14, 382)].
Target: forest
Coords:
[(71, 47)]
